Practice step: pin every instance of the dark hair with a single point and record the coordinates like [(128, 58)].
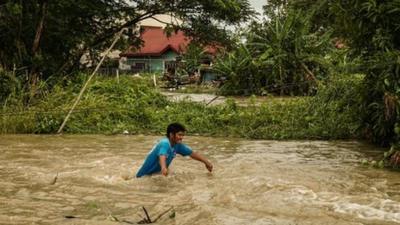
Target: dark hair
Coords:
[(175, 128)]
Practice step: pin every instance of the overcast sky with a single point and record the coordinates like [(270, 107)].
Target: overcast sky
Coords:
[(258, 4)]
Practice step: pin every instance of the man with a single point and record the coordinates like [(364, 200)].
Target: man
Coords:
[(162, 154)]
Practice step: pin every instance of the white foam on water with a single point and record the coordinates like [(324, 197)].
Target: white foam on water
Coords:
[(108, 179), (301, 194), (384, 209), (375, 209)]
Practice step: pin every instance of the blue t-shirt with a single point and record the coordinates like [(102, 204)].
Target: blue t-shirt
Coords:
[(163, 147)]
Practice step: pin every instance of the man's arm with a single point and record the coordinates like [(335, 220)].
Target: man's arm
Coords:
[(203, 159), (163, 164)]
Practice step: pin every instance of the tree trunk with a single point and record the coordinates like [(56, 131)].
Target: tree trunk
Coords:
[(33, 75), (39, 28)]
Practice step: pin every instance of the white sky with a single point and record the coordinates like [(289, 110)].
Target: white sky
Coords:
[(258, 4)]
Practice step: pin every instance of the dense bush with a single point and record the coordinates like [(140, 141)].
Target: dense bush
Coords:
[(281, 56), (133, 104), (9, 86)]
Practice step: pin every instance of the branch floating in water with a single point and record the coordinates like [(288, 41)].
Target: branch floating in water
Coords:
[(147, 219), (54, 179)]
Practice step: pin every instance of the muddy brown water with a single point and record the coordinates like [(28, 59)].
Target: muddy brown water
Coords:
[(254, 182)]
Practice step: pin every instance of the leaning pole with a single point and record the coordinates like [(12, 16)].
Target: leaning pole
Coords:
[(87, 82)]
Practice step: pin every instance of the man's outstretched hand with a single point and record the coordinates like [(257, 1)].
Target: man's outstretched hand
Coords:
[(164, 171), (209, 166), (203, 159)]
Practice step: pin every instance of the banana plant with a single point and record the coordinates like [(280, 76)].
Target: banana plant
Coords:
[(292, 56), (239, 70)]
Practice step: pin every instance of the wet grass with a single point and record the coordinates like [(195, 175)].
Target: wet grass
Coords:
[(135, 106)]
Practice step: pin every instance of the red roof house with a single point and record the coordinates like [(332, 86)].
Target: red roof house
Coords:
[(158, 50), (156, 42)]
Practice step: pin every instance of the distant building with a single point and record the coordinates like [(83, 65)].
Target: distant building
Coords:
[(111, 65), (158, 52)]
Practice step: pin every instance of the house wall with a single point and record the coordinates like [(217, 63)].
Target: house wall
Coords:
[(152, 64)]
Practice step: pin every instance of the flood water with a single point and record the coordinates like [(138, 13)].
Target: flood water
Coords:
[(89, 180)]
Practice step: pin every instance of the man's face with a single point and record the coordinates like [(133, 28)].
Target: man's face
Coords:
[(177, 137)]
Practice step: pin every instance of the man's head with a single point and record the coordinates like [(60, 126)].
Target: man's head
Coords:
[(175, 132)]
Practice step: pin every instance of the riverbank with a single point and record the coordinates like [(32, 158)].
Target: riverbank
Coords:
[(133, 105)]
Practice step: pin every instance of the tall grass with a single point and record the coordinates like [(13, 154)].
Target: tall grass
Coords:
[(134, 105)]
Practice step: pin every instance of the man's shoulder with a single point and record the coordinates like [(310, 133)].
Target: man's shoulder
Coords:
[(163, 142), (183, 146)]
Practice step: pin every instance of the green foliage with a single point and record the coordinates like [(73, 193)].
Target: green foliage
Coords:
[(9, 85), (373, 26), (134, 105), (382, 98), (371, 31), (344, 62), (44, 38), (239, 69), (112, 107), (283, 56), (337, 105), (193, 57)]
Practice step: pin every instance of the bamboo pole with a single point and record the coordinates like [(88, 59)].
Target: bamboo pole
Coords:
[(117, 75), (154, 80), (87, 82)]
